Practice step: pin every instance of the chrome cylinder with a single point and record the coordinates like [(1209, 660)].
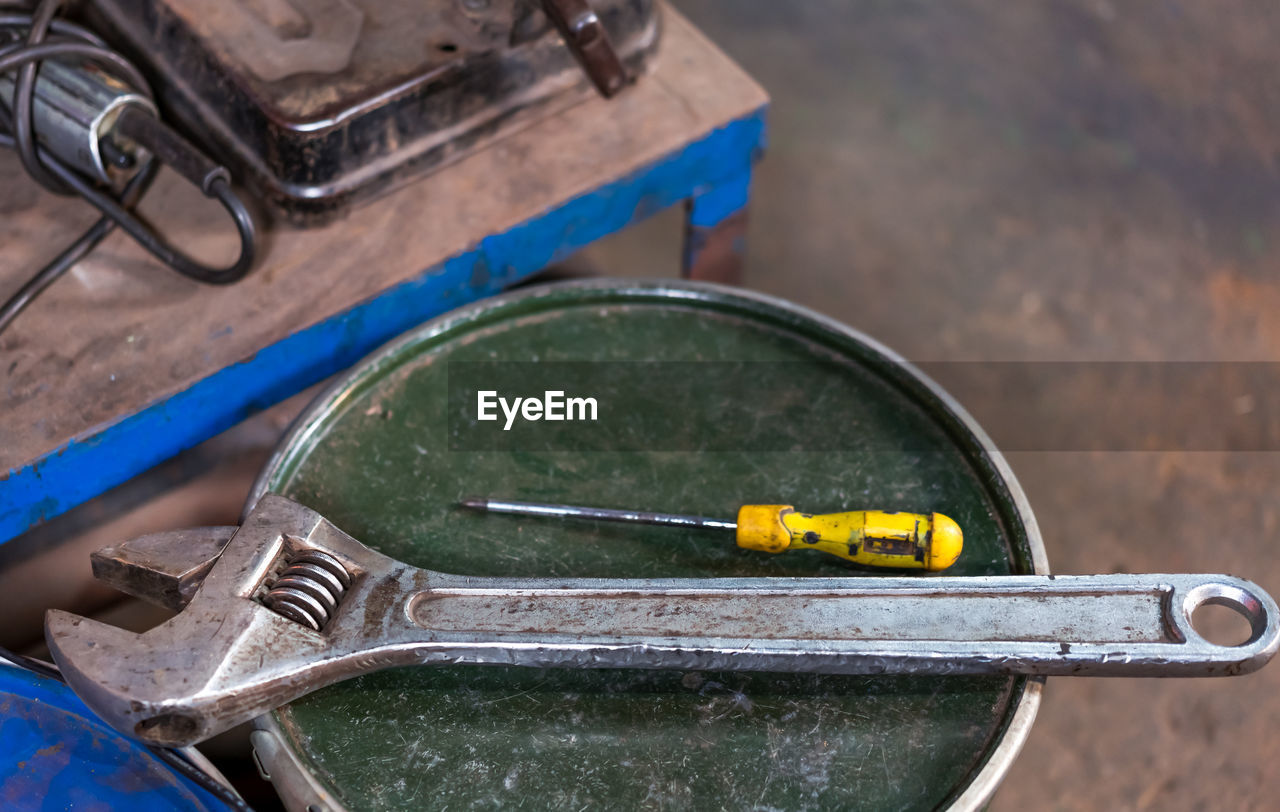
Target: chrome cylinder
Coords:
[(76, 107)]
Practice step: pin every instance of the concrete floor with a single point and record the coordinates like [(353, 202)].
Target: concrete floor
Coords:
[(1054, 181)]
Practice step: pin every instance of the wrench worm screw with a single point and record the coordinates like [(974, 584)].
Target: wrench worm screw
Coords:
[(310, 589)]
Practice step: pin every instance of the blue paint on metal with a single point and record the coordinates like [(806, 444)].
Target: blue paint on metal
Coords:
[(708, 208), (712, 206), (87, 467), (56, 754)]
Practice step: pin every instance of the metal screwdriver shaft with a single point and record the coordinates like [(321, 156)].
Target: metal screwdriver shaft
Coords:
[(875, 538), (601, 514)]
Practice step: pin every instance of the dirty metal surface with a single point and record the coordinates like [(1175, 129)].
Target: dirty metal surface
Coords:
[(321, 104), (57, 755), (374, 457), (148, 565), (716, 253)]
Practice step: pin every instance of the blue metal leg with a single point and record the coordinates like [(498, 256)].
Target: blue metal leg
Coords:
[(716, 230)]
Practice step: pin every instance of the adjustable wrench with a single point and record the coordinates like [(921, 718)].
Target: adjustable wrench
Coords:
[(287, 603)]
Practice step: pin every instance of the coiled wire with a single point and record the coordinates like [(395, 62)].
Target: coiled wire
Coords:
[(40, 37)]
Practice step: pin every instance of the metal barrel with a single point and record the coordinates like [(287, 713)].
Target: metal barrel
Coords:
[(388, 451), (59, 755)]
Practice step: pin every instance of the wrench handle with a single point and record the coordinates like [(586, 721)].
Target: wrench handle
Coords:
[(229, 656), (1101, 625)]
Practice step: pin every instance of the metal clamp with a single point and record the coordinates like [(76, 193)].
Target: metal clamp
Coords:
[(589, 42)]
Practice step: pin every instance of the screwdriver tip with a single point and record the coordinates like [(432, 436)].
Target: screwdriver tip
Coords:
[(474, 503)]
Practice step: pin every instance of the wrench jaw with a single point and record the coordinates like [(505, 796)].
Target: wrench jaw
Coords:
[(227, 657), (166, 568), (114, 672), (216, 664), (187, 679)]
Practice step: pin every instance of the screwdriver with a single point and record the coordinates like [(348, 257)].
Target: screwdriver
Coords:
[(874, 538)]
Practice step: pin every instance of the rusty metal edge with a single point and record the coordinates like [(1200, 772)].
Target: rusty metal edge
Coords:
[(306, 789)]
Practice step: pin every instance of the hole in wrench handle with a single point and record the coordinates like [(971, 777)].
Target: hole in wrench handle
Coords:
[(1232, 596)]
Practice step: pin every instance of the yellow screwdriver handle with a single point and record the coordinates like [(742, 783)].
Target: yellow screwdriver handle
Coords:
[(928, 541)]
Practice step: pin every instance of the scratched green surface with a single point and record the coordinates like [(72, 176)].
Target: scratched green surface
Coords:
[(376, 460)]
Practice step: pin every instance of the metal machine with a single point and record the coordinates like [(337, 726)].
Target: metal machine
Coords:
[(320, 104), (315, 105)]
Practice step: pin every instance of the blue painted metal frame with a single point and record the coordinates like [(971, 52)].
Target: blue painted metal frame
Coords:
[(709, 208), (713, 205), (56, 754), (713, 171)]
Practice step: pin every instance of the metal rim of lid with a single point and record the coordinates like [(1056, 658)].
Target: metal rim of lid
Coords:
[(301, 790)]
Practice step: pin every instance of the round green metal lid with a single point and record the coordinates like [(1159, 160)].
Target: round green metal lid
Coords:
[(378, 455)]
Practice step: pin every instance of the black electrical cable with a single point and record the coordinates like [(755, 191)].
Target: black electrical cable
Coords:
[(148, 239), (74, 252), (42, 37)]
